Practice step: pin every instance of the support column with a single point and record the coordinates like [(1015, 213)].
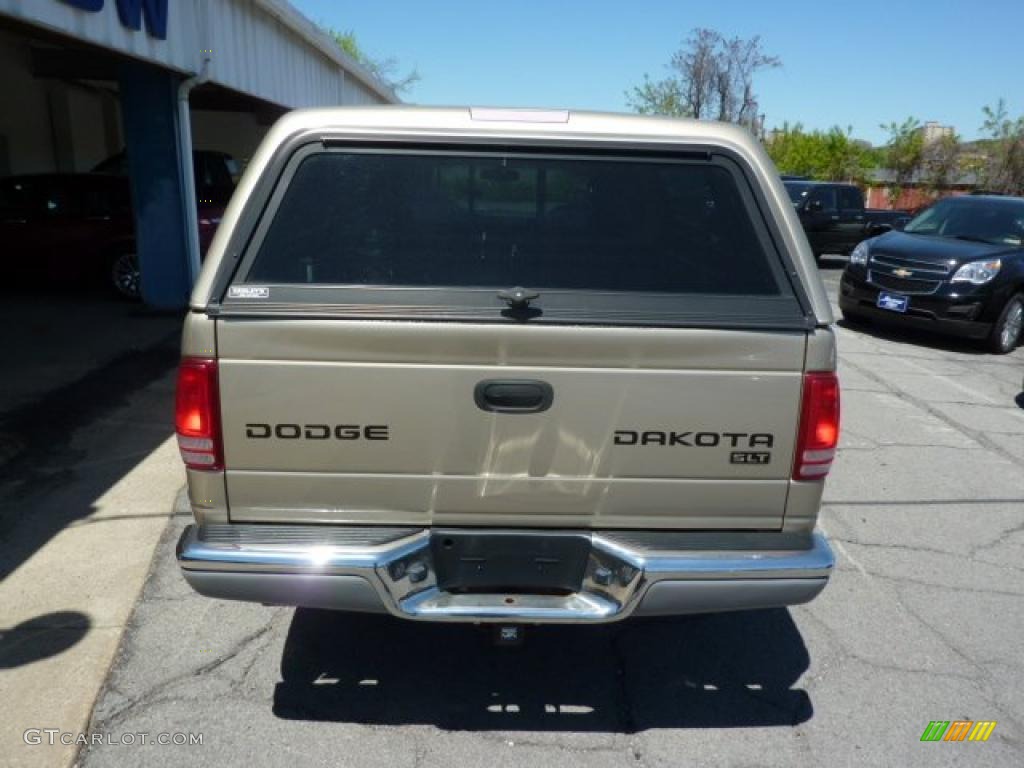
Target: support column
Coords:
[(149, 115)]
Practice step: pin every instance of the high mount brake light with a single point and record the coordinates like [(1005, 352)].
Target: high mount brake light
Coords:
[(197, 415), (819, 426)]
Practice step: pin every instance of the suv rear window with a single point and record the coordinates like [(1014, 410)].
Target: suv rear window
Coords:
[(449, 221)]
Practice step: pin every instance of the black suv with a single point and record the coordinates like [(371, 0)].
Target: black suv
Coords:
[(957, 268)]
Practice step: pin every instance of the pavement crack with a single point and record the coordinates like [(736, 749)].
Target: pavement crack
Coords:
[(941, 637), (916, 548), (999, 539), (879, 445), (950, 587), (235, 649), (975, 435), (155, 695), (845, 653)]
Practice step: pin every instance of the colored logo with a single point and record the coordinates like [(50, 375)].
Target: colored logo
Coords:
[(901, 272), (958, 730), (132, 13)]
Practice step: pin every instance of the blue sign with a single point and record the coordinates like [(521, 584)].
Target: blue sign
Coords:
[(893, 302), (132, 13), (93, 6)]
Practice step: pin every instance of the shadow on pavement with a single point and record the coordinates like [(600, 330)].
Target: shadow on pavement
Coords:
[(46, 483), (41, 637), (714, 671), (829, 262), (901, 334), (62, 335)]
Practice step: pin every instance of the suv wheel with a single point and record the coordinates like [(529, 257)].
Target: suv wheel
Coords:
[(1006, 333), (124, 272)]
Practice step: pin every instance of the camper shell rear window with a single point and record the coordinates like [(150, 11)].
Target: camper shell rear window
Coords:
[(654, 239)]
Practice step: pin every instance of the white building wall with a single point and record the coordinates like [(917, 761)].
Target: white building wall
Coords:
[(260, 47), (257, 54)]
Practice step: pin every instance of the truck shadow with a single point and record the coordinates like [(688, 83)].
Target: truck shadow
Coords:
[(715, 671)]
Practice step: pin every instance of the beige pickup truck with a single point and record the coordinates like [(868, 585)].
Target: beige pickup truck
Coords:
[(509, 366)]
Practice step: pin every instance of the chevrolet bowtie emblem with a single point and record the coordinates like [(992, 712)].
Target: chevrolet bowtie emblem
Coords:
[(901, 272)]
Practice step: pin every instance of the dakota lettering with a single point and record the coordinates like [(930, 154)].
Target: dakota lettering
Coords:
[(707, 439), (624, 437), (679, 438), (694, 439)]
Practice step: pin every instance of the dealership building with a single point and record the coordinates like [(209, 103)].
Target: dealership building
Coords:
[(82, 81)]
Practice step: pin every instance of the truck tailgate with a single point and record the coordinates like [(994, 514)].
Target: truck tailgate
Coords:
[(340, 421)]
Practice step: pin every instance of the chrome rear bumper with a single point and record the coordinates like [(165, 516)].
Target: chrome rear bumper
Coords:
[(628, 573)]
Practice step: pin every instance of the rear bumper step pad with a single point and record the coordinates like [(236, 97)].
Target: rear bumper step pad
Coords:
[(627, 573)]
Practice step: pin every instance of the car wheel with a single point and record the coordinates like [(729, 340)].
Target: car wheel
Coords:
[(124, 272), (1006, 333)]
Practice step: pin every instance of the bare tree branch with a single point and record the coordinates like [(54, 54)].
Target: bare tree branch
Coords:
[(711, 77)]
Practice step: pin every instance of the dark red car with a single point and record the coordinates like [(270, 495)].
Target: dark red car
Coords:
[(73, 227)]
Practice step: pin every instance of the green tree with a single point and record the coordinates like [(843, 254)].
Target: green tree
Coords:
[(845, 159), (831, 155), (1003, 167), (384, 70), (661, 97), (795, 151), (711, 77), (903, 154)]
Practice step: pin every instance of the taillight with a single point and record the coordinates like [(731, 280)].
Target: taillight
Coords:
[(819, 427), (197, 414)]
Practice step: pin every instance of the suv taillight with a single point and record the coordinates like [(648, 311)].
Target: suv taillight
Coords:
[(819, 427), (197, 414)]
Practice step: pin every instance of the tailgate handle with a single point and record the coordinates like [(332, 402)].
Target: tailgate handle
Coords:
[(513, 395)]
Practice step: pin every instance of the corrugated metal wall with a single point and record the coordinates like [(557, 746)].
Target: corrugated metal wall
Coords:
[(104, 28), (261, 47)]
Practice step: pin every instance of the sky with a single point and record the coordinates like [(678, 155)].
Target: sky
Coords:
[(858, 63)]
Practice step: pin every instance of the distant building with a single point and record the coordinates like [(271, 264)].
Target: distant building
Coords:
[(932, 132), (915, 194)]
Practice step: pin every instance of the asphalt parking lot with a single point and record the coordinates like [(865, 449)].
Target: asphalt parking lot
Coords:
[(922, 621)]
